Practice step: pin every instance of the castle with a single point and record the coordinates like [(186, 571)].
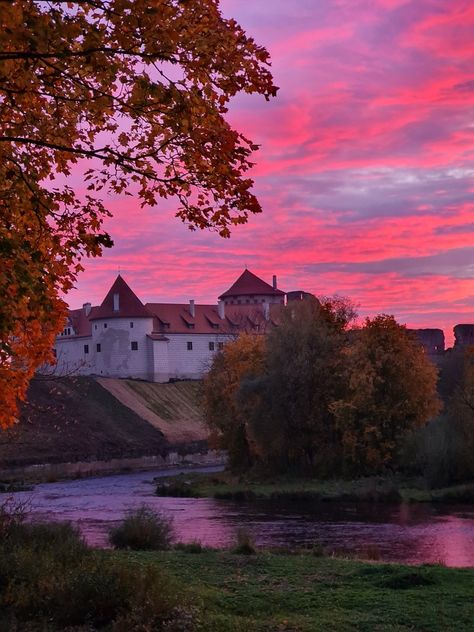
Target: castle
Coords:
[(158, 342), (161, 341)]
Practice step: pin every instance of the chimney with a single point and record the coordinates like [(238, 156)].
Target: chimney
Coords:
[(274, 281), (221, 309), (87, 308), (266, 310), (116, 302), (192, 309)]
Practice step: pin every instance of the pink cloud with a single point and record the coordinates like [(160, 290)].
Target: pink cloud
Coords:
[(365, 170)]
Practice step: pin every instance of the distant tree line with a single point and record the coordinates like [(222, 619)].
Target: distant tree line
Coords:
[(318, 396)]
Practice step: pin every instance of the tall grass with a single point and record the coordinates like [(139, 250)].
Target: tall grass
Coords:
[(143, 529)]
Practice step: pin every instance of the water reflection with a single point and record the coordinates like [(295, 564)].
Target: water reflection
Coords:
[(414, 534)]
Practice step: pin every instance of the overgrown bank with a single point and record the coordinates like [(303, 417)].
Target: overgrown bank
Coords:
[(225, 485)]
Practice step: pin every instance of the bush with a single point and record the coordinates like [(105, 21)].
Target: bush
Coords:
[(50, 580), (245, 543), (189, 547), (143, 529), (12, 514)]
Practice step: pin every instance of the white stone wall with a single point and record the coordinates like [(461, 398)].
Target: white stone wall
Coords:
[(155, 360), (159, 360), (191, 364), (70, 357), (116, 357)]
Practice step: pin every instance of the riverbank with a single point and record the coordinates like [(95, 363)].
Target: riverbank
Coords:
[(19, 478), (228, 486), (303, 593)]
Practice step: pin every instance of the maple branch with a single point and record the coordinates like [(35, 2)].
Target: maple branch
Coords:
[(102, 154), (87, 52)]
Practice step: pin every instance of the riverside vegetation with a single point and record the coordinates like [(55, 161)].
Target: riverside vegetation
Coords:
[(50, 580), (317, 398)]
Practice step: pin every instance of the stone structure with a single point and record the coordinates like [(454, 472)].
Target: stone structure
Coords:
[(161, 341), (463, 336), (158, 342), (432, 340)]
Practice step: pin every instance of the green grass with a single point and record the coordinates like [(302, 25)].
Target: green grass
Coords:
[(303, 593)]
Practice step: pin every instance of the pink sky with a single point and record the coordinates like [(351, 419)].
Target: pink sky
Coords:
[(365, 172)]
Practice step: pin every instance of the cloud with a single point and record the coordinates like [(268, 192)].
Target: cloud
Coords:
[(365, 171)]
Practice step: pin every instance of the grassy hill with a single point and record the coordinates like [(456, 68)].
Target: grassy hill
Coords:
[(78, 418)]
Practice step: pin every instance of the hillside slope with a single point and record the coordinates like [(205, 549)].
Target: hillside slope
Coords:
[(72, 419), (172, 408)]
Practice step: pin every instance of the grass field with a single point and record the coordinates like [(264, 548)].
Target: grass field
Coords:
[(303, 593)]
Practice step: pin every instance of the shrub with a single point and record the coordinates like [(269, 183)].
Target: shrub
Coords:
[(143, 529), (12, 514), (245, 543), (49, 580), (63, 538), (189, 547)]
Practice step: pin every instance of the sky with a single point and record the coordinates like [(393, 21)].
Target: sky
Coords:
[(365, 172)]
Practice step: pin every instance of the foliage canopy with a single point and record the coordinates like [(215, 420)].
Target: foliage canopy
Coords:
[(325, 399), (132, 93)]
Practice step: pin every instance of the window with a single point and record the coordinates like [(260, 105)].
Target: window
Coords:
[(95, 327), (211, 346), (134, 345), (220, 346), (190, 346), (131, 325), (98, 348), (86, 348), (105, 325)]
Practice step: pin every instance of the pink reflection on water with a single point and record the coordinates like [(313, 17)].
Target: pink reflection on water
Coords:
[(412, 534)]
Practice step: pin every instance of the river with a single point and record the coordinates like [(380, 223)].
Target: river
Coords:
[(411, 534)]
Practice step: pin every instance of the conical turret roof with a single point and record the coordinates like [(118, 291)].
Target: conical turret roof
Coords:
[(249, 284), (129, 305)]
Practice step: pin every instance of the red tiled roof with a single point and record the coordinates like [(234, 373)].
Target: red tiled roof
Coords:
[(176, 318), (130, 306), (248, 284)]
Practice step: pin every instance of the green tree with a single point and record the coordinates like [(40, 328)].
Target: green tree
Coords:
[(291, 423), (133, 94), (391, 390)]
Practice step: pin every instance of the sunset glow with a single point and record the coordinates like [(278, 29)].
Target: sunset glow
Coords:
[(365, 172)]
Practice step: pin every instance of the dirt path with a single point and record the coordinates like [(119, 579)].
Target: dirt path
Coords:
[(172, 408)]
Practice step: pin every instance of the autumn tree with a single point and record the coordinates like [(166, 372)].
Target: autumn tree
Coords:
[(291, 423), (226, 415), (131, 94), (391, 390)]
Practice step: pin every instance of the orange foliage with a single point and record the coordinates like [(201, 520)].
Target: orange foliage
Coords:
[(391, 389), (225, 415), (136, 90)]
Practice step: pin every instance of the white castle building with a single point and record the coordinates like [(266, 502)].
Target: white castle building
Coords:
[(161, 341)]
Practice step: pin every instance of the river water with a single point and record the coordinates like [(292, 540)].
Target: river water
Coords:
[(412, 534)]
